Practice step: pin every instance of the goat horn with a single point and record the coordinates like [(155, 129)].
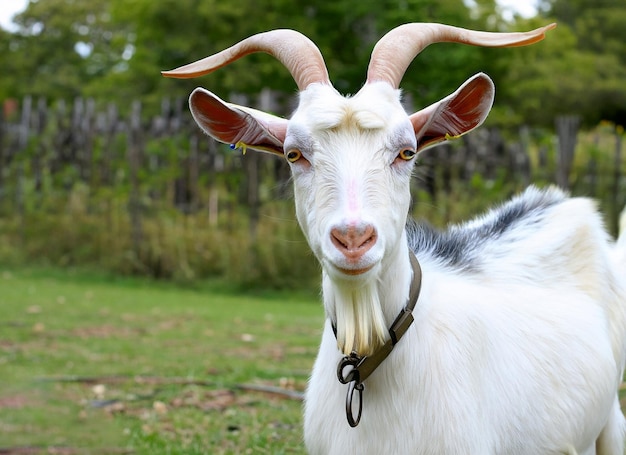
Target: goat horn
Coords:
[(298, 53), (396, 50)]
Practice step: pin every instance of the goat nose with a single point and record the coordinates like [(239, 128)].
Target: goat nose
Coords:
[(352, 241)]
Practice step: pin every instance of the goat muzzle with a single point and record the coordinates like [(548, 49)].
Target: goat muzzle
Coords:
[(353, 242)]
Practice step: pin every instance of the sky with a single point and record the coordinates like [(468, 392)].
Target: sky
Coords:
[(525, 8), (8, 8)]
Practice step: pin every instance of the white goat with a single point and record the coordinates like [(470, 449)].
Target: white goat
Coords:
[(517, 338)]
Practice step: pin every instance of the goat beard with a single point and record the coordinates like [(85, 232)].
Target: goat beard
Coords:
[(359, 319)]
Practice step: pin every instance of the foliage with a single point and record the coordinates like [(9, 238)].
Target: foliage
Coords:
[(344, 31), (115, 49), (579, 70), (61, 48), (94, 231)]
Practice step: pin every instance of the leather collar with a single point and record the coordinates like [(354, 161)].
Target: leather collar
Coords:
[(363, 366)]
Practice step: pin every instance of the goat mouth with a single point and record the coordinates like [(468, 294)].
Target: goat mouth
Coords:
[(354, 272)]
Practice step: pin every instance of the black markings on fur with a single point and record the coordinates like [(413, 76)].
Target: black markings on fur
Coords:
[(460, 246)]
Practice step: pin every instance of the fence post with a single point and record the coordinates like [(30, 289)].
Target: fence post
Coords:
[(108, 150), (61, 138), (134, 161), (194, 174), (87, 127), (38, 162), (567, 130), (24, 132), (78, 136), (3, 147), (216, 165)]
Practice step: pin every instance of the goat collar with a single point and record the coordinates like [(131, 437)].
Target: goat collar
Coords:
[(363, 367)]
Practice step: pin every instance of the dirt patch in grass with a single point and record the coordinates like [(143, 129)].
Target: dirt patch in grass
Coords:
[(209, 400), (105, 331), (15, 402), (34, 450)]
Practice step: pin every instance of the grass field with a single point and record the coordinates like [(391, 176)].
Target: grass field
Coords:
[(95, 365), (91, 365)]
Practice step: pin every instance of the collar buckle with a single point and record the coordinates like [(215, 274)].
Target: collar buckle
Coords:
[(360, 368)]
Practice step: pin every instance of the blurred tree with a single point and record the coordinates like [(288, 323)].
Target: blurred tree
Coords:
[(599, 26), (114, 49), (578, 70), (345, 32), (60, 48), (8, 81)]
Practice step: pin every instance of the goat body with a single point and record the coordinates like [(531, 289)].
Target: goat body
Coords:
[(518, 340), (511, 350)]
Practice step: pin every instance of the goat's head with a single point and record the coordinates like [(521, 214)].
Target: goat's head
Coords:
[(351, 157)]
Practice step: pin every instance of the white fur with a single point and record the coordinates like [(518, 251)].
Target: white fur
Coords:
[(523, 355), (518, 344), (496, 361)]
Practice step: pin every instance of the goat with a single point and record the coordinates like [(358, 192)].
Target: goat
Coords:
[(503, 335)]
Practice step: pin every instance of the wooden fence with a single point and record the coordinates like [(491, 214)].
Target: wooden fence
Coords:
[(162, 161)]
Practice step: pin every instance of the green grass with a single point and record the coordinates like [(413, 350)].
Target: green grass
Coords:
[(166, 363), (96, 365)]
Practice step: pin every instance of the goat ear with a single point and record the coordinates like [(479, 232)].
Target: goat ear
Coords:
[(456, 114), (234, 124)]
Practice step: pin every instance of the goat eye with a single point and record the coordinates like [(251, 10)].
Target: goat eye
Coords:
[(293, 155), (407, 154)]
